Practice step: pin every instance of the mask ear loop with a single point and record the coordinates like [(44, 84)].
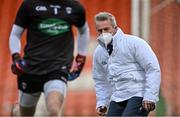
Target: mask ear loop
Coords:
[(115, 30)]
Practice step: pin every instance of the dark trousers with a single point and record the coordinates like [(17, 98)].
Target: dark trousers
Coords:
[(130, 107)]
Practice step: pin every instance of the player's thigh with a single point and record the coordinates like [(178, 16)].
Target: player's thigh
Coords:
[(28, 99), (55, 91)]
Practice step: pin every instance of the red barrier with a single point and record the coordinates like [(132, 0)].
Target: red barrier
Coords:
[(8, 9)]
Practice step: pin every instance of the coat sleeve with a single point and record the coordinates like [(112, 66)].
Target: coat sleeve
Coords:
[(102, 86), (147, 59)]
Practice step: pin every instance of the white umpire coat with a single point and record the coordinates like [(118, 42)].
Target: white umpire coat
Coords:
[(131, 70)]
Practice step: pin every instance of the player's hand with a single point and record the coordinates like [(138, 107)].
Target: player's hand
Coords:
[(18, 64), (101, 110), (148, 105), (80, 61), (73, 75)]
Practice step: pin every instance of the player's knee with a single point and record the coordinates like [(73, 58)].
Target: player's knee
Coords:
[(15, 110), (27, 111), (53, 109), (54, 103)]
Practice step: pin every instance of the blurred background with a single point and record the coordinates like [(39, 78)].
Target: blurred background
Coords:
[(156, 21)]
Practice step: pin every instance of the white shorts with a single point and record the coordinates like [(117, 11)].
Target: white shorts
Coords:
[(30, 100)]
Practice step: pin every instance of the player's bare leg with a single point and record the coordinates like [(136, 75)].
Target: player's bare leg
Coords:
[(27, 111), (26, 105), (54, 103), (18, 110), (15, 110)]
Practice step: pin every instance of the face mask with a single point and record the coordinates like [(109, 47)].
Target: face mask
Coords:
[(104, 39)]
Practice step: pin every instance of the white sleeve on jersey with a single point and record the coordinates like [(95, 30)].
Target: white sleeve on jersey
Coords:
[(83, 39), (14, 39)]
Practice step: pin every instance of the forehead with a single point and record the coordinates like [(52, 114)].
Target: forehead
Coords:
[(103, 24)]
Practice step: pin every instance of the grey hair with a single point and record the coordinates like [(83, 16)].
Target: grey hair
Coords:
[(102, 16)]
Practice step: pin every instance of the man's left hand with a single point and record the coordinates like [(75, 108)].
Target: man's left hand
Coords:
[(148, 105)]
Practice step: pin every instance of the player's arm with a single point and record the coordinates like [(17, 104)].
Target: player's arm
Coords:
[(15, 48), (83, 39), (82, 46), (21, 22), (14, 39)]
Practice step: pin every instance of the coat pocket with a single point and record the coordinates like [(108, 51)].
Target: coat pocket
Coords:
[(124, 77), (139, 75)]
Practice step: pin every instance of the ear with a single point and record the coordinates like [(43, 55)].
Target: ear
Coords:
[(115, 30)]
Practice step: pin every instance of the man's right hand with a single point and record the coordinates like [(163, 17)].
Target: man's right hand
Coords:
[(101, 110), (18, 64)]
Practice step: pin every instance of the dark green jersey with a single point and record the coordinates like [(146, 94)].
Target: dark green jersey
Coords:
[(50, 41)]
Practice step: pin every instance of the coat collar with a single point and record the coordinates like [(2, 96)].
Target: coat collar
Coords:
[(119, 34)]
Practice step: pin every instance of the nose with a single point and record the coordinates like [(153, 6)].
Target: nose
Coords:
[(103, 31), (100, 31)]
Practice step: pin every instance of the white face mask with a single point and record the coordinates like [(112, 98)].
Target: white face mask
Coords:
[(104, 39)]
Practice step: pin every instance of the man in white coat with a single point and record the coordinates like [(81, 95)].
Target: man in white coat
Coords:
[(126, 71)]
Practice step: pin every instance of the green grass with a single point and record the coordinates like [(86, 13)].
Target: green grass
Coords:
[(161, 106)]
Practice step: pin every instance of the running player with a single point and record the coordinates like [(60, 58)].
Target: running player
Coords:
[(48, 53)]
